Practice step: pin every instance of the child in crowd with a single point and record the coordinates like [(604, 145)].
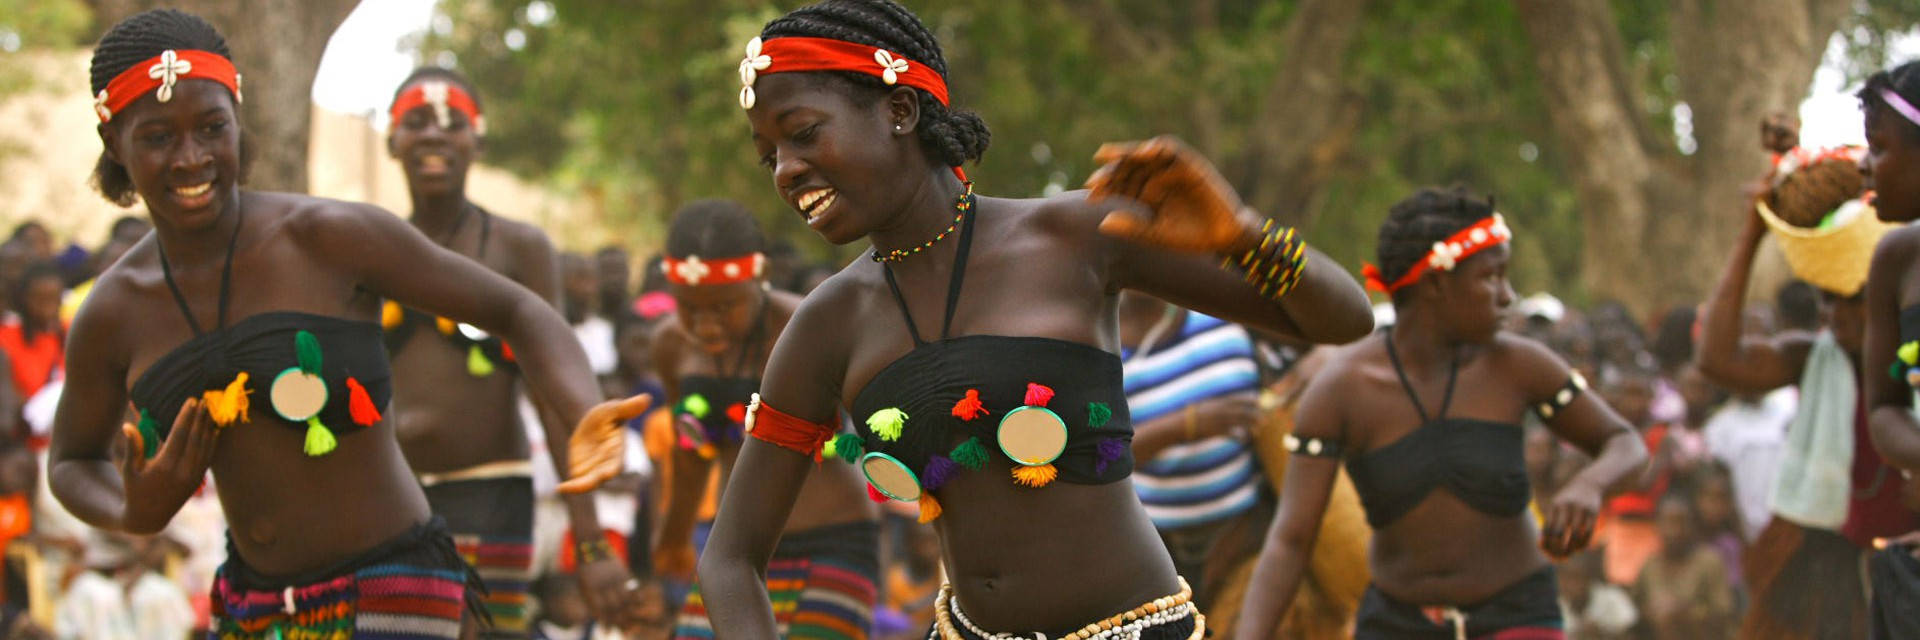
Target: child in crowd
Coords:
[(1594, 609), (1629, 532), (1683, 592), (1720, 528)]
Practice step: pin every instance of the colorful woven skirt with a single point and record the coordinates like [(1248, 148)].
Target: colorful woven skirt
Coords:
[(414, 586), (821, 582), (1525, 610), (491, 521)]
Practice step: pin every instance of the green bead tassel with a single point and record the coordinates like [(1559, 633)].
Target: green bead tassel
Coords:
[(848, 447), (695, 405), (307, 349), (149, 435), (970, 454), (1098, 413), (477, 363), (320, 440)]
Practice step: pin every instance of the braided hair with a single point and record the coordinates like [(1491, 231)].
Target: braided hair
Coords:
[(1903, 80), (950, 136), (1428, 216), (714, 229), (131, 42), (439, 73)]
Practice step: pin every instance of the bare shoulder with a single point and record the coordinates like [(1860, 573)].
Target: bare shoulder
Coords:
[(1897, 249), (327, 219), (1532, 365), (525, 238)]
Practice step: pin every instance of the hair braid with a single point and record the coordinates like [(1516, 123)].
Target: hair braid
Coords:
[(1428, 216), (713, 229), (951, 136)]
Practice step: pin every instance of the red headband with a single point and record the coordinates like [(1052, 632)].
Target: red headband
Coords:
[(1485, 234), (694, 271), (440, 95), (161, 73), (781, 55)]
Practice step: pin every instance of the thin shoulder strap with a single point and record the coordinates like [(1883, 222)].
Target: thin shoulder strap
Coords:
[(953, 286), (226, 280)]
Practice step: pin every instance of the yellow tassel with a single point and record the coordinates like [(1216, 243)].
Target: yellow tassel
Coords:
[(477, 363), (320, 441), (887, 423), (1035, 477), (391, 315), (446, 326), (230, 404), (929, 508)]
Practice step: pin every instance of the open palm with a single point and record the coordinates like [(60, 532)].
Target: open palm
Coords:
[(1191, 207)]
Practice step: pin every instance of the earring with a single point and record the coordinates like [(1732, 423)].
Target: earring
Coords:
[(896, 127)]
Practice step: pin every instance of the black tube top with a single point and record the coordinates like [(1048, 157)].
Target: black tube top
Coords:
[(718, 404), (1480, 462)]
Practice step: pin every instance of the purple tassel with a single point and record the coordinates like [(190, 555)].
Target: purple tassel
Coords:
[(1110, 450), (939, 469)]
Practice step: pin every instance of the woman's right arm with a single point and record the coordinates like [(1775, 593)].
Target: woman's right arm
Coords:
[(1891, 422), (1303, 502), (1726, 356), (142, 495), (802, 380)]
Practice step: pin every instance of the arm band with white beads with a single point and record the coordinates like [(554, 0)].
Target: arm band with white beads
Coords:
[(1576, 384), (1316, 447)]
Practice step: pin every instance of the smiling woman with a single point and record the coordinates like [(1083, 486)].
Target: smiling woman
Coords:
[(241, 333)]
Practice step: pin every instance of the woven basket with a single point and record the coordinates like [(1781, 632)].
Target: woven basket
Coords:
[(1836, 258)]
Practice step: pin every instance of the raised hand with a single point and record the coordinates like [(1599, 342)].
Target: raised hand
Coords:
[(611, 593), (1193, 208), (156, 488), (597, 447)]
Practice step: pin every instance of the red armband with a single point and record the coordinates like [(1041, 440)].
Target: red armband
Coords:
[(775, 426)]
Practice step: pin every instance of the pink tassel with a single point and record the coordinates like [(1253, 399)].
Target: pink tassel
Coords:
[(1038, 395)]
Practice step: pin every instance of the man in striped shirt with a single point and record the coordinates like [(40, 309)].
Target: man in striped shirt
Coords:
[(1192, 385)]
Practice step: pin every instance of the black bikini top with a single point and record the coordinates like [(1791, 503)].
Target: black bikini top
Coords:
[(485, 352), (324, 374), (1056, 408), (717, 404), (1479, 461)]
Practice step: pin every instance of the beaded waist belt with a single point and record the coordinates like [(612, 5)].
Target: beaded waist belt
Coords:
[(1164, 610)]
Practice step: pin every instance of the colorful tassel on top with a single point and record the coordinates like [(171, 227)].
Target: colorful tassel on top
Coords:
[(887, 423), (446, 325), (391, 315), (1035, 477), (320, 440), (149, 435), (939, 469), (1111, 449), (737, 412), (971, 454), (1038, 395), (929, 508), (695, 405), (306, 348), (875, 495), (969, 407), (478, 365), (1098, 413), (228, 405), (360, 404), (847, 446)]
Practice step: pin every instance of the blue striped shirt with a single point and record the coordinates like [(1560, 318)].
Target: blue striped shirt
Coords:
[(1209, 479)]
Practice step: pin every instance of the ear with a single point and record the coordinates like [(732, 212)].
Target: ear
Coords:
[(903, 110), (107, 142)]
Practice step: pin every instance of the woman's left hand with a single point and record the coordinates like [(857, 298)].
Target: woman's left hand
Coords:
[(610, 591), (1193, 208), (597, 448), (1570, 520)]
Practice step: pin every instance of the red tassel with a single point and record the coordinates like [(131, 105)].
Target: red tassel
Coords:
[(506, 352), (969, 407), (737, 413), (875, 495), (360, 405), (1038, 394)]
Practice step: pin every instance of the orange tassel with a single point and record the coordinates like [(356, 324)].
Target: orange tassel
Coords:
[(228, 405), (929, 508), (445, 325), (1035, 477), (1038, 395), (969, 407), (360, 404), (391, 315)]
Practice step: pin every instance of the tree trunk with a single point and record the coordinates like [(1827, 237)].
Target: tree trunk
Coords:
[(276, 44), (1309, 113), (1658, 224)]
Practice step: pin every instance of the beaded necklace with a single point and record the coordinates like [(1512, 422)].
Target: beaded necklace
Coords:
[(961, 206)]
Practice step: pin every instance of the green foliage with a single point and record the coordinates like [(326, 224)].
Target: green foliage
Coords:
[(37, 24)]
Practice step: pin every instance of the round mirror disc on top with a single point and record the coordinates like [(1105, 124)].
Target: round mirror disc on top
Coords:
[(297, 395), (1032, 436), (890, 476)]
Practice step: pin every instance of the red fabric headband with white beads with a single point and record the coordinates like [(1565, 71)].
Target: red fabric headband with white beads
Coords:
[(1485, 234), (781, 55), (159, 74), (441, 95), (692, 270)]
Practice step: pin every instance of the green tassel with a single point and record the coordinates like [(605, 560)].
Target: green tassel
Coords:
[(849, 447), (695, 405), (1098, 414), (307, 349), (1894, 372), (888, 423), (320, 440), (149, 435), (970, 454), (477, 363)]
